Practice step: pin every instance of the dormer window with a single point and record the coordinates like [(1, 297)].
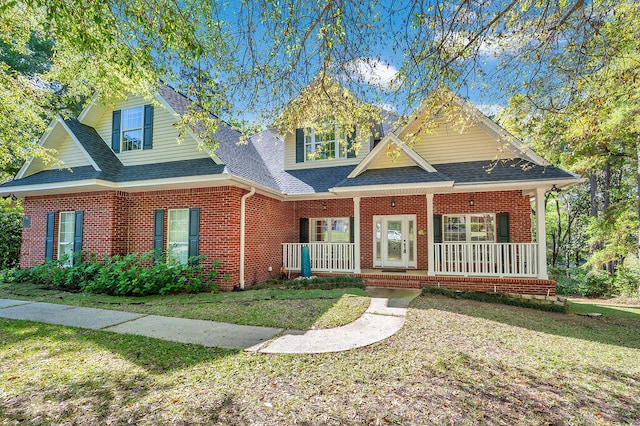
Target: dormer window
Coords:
[(132, 129), (323, 145), (331, 144)]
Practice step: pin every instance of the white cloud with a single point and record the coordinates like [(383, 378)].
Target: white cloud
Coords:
[(373, 72), (489, 109), (489, 45)]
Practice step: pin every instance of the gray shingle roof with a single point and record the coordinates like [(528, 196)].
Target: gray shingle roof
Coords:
[(261, 161), (95, 146), (503, 170), (397, 175)]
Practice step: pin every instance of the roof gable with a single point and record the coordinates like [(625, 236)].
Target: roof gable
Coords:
[(391, 141), (57, 134), (481, 130)]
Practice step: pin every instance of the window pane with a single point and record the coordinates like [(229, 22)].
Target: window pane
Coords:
[(319, 230), (340, 230), (178, 238), (132, 140), (482, 227), (455, 228), (132, 118), (378, 240), (66, 232), (411, 242)]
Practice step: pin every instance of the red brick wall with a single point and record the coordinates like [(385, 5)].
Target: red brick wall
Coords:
[(269, 224), (119, 223), (517, 205), (100, 211), (219, 223)]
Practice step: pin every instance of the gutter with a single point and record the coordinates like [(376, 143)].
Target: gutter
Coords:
[(243, 210)]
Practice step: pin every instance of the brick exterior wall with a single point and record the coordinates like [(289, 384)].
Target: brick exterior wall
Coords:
[(269, 224), (513, 202), (119, 223)]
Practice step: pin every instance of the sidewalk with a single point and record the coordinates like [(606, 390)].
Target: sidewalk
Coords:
[(384, 317)]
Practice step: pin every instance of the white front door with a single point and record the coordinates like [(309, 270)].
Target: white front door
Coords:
[(394, 241)]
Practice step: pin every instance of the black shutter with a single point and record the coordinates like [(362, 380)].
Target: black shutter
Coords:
[(48, 240), (299, 145), (77, 235), (304, 230), (504, 235), (158, 235), (147, 134), (437, 228), (350, 139), (352, 230), (115, 131), (194, 233)]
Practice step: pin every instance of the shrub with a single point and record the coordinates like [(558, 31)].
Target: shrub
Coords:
[(626, 279), (596, 283), (10, 237), (567, 280), (493, 298), (131, 275)]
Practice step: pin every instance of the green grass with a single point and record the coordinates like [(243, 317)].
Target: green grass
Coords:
[(455, 361), (291, 309), (605, 308)]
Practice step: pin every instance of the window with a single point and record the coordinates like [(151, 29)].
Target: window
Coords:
[(178, 238), (66, 236), (324, 146), (131, 128), (470, 227), (330, 230)]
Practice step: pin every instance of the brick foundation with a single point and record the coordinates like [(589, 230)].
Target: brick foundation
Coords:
[(486, 285)]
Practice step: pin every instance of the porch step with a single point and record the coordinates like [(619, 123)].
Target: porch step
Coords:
[(395, 283)]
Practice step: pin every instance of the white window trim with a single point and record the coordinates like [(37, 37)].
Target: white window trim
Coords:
[(312, 228), (123, 129), (468, 227), (180, 243), (339, 154), (69, 261)]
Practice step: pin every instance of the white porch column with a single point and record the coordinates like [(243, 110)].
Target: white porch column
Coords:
[(541, 234), (356, 235), (431, 269)]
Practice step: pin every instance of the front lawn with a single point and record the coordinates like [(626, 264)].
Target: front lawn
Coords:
[(454, 362), (291, 309), (629, 309)]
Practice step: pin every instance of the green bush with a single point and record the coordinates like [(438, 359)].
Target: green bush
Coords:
[(568, 281), (493, 298), (626, 279), (596, 283), (10, 237), (131, 275)]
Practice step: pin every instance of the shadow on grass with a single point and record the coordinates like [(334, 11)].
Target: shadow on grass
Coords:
[(153, 355), (609, 330)]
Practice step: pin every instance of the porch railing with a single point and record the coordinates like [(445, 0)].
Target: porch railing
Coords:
[(486, 259), (326, 257)]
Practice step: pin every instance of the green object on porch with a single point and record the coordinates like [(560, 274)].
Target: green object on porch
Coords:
[(305, 268)]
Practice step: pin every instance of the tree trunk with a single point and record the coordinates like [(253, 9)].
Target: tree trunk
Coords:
[(638, 200), (606, 202)]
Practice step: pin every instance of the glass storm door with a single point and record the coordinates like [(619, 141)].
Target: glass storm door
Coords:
[(395, 238)]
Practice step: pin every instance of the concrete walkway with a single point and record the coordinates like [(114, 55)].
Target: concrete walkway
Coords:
[(384, 317)]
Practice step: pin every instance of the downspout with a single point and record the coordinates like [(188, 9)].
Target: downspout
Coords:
[(243, 210)]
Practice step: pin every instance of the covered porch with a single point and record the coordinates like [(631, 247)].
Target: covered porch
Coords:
[(395, 242)]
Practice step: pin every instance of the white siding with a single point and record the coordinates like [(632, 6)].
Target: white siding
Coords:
[(449, 145), (290, 156), (71, 155), (384, 161), (165, 136)]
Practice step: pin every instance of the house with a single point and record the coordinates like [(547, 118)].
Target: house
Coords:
[(453, 211)]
